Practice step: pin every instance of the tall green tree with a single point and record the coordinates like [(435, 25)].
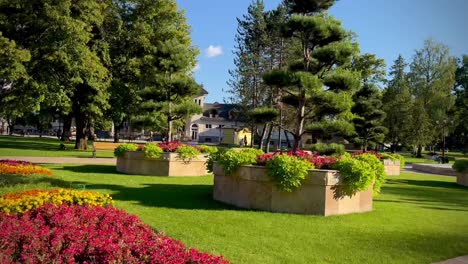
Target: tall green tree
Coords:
[(14, 96), (397, 104), (67, 67), (367, 109), (246, 82), (164, 57), (320, 84), (432, 77), (461, 104)]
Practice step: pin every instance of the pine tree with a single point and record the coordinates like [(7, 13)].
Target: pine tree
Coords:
[(397, 104), (164, 58), (320, 84)]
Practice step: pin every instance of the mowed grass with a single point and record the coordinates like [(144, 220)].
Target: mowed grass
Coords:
[(417, 218), (43, 147)]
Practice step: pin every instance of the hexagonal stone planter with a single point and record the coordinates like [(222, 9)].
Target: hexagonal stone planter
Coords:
[(135, 162), (392, 167), (462, 178), (250, 187)]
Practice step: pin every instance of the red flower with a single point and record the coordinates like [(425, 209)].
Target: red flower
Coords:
[(170, 146)]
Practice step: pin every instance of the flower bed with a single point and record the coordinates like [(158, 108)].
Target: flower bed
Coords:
[(289, 183), (18, 167), (28, 200), (163, 159), (461, 170), (83, 234), (320, 193)]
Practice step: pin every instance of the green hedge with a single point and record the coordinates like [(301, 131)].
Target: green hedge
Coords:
[(328, 149), (460, 165)]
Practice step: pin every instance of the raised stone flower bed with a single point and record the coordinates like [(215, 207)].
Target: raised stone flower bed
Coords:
[(250, 187), (392, 167), (462, 178), (135, 162)]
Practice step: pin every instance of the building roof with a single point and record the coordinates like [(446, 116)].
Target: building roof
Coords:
[(202, 92), (222, 112)]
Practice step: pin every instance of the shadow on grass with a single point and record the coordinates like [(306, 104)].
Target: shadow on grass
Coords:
[(97, 168), (52, 181), (427, 183), (44, 144), (439, 195), (166, 195)]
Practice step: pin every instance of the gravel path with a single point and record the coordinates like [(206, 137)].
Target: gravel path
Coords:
[(61, 160)]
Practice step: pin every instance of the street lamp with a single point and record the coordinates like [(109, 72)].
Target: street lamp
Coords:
[(444, 123)]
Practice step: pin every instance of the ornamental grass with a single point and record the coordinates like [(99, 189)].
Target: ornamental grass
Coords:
[(22, 202), (84, 234), (18, 167)]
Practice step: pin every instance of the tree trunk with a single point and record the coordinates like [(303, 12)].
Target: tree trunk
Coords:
[(300, 127), (81, 141), (169, 123), (66, 133), (268, 139), (419, 151), (116, 132), (262, 138), (91, 132), (287, 138)]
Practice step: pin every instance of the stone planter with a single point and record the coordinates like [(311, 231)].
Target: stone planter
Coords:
[(251, 188), (462, 178), (392, 167), (135, 162)]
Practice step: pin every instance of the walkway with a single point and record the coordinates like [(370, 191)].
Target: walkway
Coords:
[(459, 260), (62, 160)]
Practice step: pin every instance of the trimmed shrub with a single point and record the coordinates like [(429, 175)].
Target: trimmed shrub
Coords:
[(328, 149), (152, 151), (120, 150), (288, 171), (187, 153), (81, 234), (360, 172), (460, 165), (234, 158), (208, 149), (28, 200)]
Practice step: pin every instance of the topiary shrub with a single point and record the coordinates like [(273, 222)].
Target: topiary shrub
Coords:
[(233, 158), (82, 234), (377, 168), (360, 172), (288, 171), (120, 150), (152, 151), (187, 153), (328, 149), (208, 149), (460, 165)]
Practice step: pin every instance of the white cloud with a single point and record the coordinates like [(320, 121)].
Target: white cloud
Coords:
[(196, 68), (214, 51)]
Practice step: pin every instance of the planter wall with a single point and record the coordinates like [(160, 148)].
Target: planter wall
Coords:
[(392, 167), (135, 162), (251, 188), (462, 178)]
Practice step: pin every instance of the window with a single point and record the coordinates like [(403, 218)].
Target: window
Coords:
[(207, 139), (208, 125), (220, 126)]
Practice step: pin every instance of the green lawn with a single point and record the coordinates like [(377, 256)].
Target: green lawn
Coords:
[(42, 147), (417, 219)]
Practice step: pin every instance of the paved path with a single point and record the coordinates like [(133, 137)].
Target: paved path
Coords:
[(459, 260), (69, 160)]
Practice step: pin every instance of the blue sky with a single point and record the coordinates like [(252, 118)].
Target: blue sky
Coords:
[(384, 27)]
